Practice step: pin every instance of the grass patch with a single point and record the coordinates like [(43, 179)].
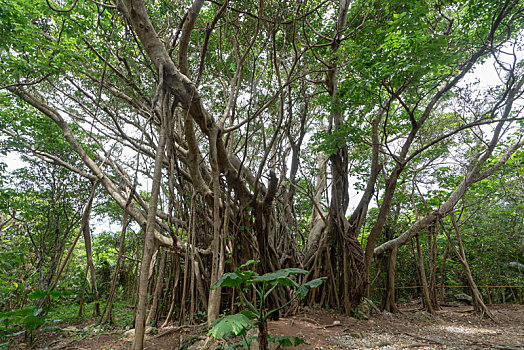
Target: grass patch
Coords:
[(67, 312)]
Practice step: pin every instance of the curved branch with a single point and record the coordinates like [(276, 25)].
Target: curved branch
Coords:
[(60, 10), (188, 27), (137, 214)]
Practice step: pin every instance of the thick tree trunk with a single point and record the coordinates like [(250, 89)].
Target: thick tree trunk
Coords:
[(348, 255), (317, 223), (200, 283), (338, 225)]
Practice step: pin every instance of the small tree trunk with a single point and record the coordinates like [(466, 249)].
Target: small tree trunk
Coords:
[(432, 252), (183, 302), (489, 296), (84, 222), (82, 297), (217, 245), (190, 258), (149, 239), (391, 304), (443, 274), (478, 303), (91, 266), (106, 317), (425, 290), (134, 289)]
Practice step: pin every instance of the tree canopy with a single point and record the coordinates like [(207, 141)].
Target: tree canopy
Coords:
[(232, 131)]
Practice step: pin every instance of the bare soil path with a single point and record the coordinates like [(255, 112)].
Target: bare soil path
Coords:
[(450, 328)]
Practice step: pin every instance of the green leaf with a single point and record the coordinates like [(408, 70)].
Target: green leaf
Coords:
[(286, 340), (248, 314), (248, 263), (32, 322), (244, 344), (304, 289), (55, 294), (37, 294), (297, 341), (232, 325), (231, 279), (315, 283), (280, 274), (18, 312), (287, 282)]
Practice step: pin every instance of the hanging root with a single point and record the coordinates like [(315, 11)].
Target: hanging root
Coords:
[(356, 271)]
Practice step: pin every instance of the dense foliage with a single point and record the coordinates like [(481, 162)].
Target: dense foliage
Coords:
[(165, 144)]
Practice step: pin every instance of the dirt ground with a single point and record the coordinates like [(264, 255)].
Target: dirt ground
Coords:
[(450, 328)]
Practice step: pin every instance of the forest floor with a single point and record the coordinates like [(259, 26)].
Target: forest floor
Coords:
[(450, 328)]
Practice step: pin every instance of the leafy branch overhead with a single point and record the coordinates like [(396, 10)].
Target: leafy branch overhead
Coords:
[(149, 149)]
